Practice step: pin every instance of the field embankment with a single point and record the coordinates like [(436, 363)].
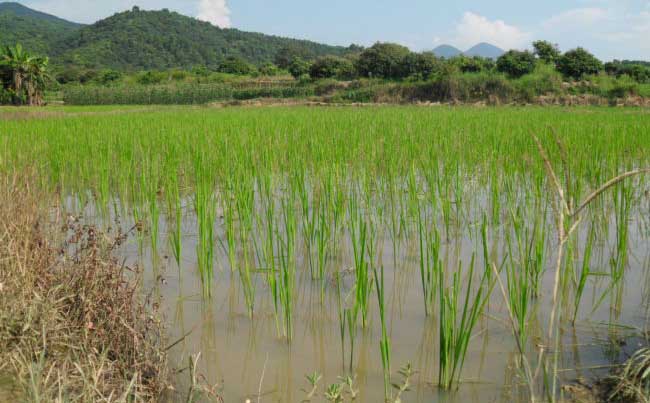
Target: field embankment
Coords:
[(490, 89)]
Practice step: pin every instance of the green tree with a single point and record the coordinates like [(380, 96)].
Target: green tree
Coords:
[(546, 51), (269, 69), (236, 65), (299, 68), (419, 65), (109, 76), (331, 67), (382, 60), (578, 63), (474, 64), (516, 63), (288, 54)]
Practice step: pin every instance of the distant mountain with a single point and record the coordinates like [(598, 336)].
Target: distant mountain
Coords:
[(482, 49), (485, 50), (19, 10), (138, 39), (447, 51), (33, 29)]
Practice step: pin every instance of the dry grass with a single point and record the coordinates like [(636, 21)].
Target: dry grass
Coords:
[(72, 325)]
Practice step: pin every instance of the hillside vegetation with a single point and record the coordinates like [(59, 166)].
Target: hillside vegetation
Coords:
[(36, 31), (138, 39)]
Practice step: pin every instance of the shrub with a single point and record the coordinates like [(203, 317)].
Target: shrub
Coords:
[(382, 60), (472, 64), (419, 66), (330, 67), (109, 76), (236, 65), (179, 75), (299, 68), (546, 51), (269, 69), (327, 86), (516, 64), (68, 75), (578, 63), (200, 71), (150, 77), (544, 80)]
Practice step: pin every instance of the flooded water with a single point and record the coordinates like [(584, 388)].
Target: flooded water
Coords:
[(248, 359)]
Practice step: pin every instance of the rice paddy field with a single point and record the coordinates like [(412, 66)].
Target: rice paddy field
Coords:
[(445, 254)]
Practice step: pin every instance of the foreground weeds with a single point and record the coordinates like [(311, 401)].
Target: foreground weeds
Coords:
[(72, 325)]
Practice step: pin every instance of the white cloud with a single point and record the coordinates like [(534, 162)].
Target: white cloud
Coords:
[(474, 28), (579, 17), (615, 29), (215, 12)]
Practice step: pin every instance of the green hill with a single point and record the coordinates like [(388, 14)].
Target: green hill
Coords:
[(137, 39), (36, 31)]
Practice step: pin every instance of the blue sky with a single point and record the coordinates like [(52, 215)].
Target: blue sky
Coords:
[(609, 28)]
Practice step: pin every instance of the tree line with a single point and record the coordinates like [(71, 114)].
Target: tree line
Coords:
[(391, 61), (396, 62)]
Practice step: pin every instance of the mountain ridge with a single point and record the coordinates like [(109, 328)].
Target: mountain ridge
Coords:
[(21, 10), (138, 39), (482, 49)]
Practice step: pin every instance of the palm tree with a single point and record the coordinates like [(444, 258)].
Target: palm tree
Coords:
[(28, 74)]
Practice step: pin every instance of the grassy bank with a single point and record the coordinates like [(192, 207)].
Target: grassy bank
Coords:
[(489, 87)]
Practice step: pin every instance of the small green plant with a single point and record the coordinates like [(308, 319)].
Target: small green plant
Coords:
[(456, 330)]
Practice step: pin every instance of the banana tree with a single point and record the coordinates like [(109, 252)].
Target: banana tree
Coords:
[(27, 75)]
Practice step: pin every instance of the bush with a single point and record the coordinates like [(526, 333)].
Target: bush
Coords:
[(330, 67), (382, 60), (328, 86), (419, 66), (6, 97), (299, 68), (269, 70), (109, 76), (546, 51), (150, 77), (472, 64), (544, 80), (578, 63), (68, 75), (200, 71), (236, 65), (516, 64), (179, 75)]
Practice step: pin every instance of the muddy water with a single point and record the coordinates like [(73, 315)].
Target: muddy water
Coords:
[(246, 359)]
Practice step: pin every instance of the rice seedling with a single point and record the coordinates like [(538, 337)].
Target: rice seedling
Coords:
[(430, 262), (455, 328), (175, 219), (384, 343), (286, 281), (311, 200)]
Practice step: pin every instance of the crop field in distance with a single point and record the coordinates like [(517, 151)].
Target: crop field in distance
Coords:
[(438, 254)]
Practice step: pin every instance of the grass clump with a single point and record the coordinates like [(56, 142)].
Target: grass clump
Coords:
[(71, 325)]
